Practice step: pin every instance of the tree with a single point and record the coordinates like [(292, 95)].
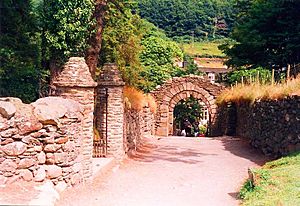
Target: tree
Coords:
[(266, 35), (158, 58), (66, 27), (19, 51), (202, 18)]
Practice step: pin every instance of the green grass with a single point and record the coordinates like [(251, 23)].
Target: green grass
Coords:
[(203, 49), (277, 184)]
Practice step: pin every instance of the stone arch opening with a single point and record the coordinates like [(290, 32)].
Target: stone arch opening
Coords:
[(181, 88), (184, 95)]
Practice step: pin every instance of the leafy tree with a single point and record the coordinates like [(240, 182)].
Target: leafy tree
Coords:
[(202, 18), (19, 51), (158, 57), (266, 35), (66, 27)]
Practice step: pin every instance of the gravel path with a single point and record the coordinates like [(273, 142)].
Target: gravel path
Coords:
[(173, 171)]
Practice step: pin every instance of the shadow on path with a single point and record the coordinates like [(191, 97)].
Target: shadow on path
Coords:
[(242, 148)]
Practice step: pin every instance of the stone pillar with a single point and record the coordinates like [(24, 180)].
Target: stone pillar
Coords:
[(75, 82), (110, 80)]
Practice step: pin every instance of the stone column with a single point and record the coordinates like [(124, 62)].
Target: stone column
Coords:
[(110, 80), (75, 82)]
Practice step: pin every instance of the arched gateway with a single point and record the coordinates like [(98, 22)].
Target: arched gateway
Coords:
[(181, 88)]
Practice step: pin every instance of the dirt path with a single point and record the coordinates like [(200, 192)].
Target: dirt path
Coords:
[(173, 172)]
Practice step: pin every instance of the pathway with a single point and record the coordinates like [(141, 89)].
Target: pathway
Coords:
[(173, 171)]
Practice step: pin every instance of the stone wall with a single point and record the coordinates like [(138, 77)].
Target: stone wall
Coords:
[(273, 126), (137, 125), (41, 140)]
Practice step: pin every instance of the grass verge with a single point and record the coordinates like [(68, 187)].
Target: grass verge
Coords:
[(276, 184)]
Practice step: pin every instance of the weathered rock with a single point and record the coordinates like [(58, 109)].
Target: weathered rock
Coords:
[(7, 141), (48, 110), (40, 175), (14, 149), (60, 158), (26, 175), (8, 165), (3, 124), (62, 140), (26, 163), (41, 157), (50, 158), (52, 148), (53, 171), (69, 147), (30, 125), (8, 174), (30, 140), (38, 148), (7, 109), (9, 132)]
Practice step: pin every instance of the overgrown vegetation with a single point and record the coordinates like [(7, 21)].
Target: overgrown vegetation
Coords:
[(276, 183), (256, 90), (136, 99)]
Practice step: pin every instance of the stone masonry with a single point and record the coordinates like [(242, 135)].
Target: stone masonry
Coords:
[(75, 82), (40, 141), (110, 81), (273, 126), (178, 88)]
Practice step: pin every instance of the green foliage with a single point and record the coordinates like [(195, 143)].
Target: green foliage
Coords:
[(66, 27), (249, 75), (201, 18), (188, 109), (19, 51), (267, 35), (157, 58), (277, 183), (122, 41)]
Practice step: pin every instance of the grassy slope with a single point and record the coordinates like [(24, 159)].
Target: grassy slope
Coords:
[(203, 49), (277, 183)]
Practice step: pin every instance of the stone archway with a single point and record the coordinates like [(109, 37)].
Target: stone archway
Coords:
[(181, 88)]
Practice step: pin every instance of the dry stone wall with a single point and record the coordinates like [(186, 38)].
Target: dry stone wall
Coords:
[(137, 125), (41, 140), (273, 126)]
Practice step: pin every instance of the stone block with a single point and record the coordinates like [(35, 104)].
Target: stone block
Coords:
[(26, 163), (7, 109), (14, 149), (53, 171), (40, 175)]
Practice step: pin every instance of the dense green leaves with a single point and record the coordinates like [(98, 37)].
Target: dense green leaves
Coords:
[(19, 51), (202, 18), (266, 35), (66, 27)]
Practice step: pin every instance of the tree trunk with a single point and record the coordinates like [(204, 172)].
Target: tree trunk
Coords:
[(92, 53)]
